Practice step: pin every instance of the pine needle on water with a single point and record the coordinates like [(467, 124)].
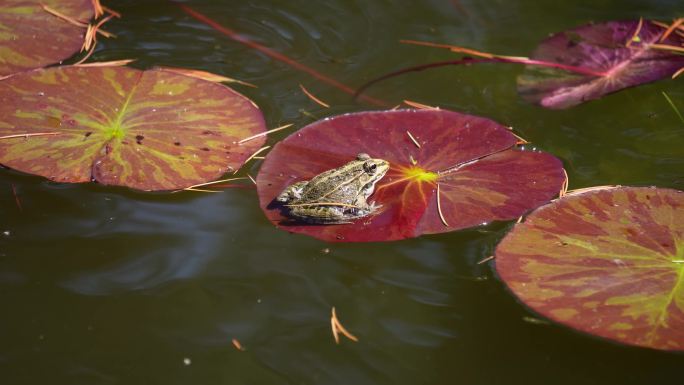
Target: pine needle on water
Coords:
[(337, 328), (312, 97)]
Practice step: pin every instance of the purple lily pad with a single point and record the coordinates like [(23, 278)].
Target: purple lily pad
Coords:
[(482, 175), (606, 48)]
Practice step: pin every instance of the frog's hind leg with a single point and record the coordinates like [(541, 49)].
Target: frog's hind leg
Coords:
[(291, 192)]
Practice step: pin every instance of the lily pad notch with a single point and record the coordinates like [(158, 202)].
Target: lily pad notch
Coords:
[(149, 130), (448, 171)]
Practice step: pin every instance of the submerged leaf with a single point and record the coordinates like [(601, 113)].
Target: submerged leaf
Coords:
[(622, 50), (31, 37), (482, 176), (150, 130), (606, 262)]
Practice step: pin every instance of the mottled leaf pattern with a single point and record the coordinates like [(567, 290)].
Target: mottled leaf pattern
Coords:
[(30, 37), (603, 48), (608, 263), (150, 130), (494, 181)]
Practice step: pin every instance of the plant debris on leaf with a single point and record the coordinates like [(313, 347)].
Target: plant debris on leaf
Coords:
[(32, 37), (481, 175), (607, 262), (150, 130), (623, 51)]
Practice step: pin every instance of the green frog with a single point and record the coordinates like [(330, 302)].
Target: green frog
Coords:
[(338, 195)]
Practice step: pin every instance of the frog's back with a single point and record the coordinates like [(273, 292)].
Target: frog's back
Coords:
[(330, 186)]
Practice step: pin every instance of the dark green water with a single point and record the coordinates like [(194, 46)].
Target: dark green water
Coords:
[(108, 286)]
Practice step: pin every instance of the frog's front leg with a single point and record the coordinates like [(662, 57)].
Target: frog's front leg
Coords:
[(292, 192), (363, 208)]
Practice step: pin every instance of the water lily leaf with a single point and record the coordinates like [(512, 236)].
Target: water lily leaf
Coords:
[(482, 176), (609, 263), (31, 37), (608, 48), (150, 130)]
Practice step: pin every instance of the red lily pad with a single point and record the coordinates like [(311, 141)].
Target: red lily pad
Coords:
[(482, 176), (150, 130), (606, 48), (609, 263), (31, 37)]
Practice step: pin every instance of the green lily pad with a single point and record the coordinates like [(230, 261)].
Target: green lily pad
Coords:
[(31, 37), (608, 262), (150, 130)]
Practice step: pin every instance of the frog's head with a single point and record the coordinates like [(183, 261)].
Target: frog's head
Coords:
[(374, 169)]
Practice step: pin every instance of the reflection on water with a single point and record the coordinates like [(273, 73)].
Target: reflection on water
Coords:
[(108, 286)]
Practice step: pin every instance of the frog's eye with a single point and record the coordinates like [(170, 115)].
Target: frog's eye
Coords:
[(370, 167)]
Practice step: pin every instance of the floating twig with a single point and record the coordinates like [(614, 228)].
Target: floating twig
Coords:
[(419, 106), (635, 36), (333, 326), (485, 259), (199, 190), (675, 24), (413, 139), (667, 47), (679, 72), (520, 219), (679, 30), (112, 12), (413, 161), (674, 107), (338, 328), (308, 114), (564, 186), (592, 188), (312, 97), (238, 345), (113, 63), (521, 140), (259, 135), (490, 57), (64, 17), (252, 179), (439, 208), (29, 135), (88, 54), (99, 11), (215, 182), (257, 152), (535, 321), (16, 197), (90, 39), (205, 75), (452, 48)]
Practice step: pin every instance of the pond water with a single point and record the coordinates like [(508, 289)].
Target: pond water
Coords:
[(105, 285)]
